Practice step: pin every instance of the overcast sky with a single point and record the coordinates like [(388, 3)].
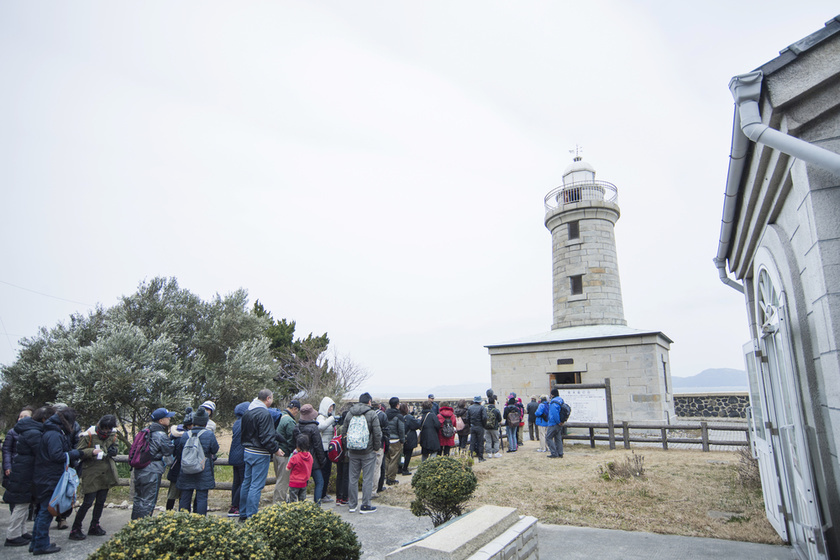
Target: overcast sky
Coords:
[(374, 170)]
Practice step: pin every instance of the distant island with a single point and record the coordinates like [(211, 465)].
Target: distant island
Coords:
[(713, 378)]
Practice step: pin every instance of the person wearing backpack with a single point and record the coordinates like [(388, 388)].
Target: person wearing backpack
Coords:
[(491, 429), (542, 422), (512, 415), (308, 426), (364, 437), (447, 431), (477, 416), (532, 419), (147, 478), (554, 433), (194, 447)]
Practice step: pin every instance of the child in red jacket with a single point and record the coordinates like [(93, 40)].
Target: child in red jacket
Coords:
[(300, 469)]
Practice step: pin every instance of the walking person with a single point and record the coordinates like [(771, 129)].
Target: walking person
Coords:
[(20, 488), (364, 437), (260, 443), (554, 431), (147, 479), (53, 453), (286, 440), (412, 424), (98, 447), (327, 426), (477, 416), (236, 458), (204, 480)]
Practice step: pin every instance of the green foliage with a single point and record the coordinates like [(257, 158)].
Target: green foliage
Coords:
[(442, 486), (183, 535), (307, 530)]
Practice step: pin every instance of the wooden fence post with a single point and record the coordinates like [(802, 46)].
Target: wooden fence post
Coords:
[(704, 434), (610, 420), (626, 429), (665, 439)]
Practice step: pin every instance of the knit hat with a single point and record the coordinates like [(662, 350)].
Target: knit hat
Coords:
[(210, 406), (200, 417), (365, 398), (308, 412)]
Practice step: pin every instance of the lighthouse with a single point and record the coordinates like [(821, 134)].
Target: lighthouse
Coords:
[(581, 216), (589, 341)]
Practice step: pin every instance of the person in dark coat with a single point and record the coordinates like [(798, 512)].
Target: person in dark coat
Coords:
[(532, 419), (10, 443), (464, 434), (429, 426), (202, 481), (50, 463), (98, 446), (308, 426), (236, 458), (477, 415), (20, 489), (173, 495), (411, 427)]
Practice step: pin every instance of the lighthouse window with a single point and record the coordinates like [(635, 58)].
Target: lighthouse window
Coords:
[(576, 284), (574, 230)]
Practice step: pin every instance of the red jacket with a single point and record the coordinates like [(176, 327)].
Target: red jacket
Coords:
[(300, 469), (446, 412)]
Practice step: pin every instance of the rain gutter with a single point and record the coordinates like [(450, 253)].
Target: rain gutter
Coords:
[(747, 126)]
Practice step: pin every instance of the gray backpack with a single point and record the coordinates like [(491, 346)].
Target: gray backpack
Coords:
[(192, 456)]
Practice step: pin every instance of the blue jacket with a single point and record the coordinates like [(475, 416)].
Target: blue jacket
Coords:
[(204, 480), (554, 411), (19, 485), (50, 459), (539, 415), (236, 456)]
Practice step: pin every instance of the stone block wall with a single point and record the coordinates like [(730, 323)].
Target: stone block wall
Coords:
[(715, 405)]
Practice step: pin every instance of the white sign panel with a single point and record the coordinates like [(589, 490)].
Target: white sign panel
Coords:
[(588, 405)]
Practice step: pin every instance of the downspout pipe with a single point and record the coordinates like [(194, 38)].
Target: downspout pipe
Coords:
[(746, 90)]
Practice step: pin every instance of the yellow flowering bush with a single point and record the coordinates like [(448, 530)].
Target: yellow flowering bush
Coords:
[(304, 530), (442, 486), (172, 536)]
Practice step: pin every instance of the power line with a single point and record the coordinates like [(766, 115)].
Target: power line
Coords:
[(46, 295), (9, 340)]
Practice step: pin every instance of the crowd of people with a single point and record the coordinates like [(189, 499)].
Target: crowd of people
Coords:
[(364, 438)]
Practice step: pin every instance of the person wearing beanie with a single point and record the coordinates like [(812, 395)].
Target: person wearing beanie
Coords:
[(200, 482), (210, 407), (286, 438), (396, 440), (511, 414), (308, 426), (98, 447), (176, 432), (362, 461), (147, 479)]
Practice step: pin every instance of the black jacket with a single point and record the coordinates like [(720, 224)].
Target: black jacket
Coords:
[(532, 411), (477, 414), (412, 424), (310, 429), (19, 484), (258, 433), (396, 424), (429, 426), (50, 460)]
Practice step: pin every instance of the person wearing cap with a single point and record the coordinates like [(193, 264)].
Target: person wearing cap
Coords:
[(363, 461), (210, 407), (259, 440), (147, 479), (308, 426), (477, 415), (435, 406), (286, 440)]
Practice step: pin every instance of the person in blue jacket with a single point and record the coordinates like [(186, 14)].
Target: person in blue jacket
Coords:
[(50, 462), (202, 482), (542, 422), (236, 458), (554, 432)]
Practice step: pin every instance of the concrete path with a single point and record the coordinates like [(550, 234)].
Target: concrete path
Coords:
[(390, 527)]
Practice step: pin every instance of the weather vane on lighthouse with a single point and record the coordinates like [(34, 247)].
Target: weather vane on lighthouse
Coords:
[(577, 151)]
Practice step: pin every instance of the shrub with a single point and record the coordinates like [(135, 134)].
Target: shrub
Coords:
[(624, 470), (442, 486), (748, 474), (182, 535), (304, 530)]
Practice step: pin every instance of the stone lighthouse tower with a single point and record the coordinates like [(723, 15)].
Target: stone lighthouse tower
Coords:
[(589, 341), (581, 216)]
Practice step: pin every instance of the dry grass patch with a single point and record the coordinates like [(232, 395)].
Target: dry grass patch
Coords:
[(682, 492)]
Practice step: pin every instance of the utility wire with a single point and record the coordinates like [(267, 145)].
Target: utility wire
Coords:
[(45, 295), (9, 340)]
